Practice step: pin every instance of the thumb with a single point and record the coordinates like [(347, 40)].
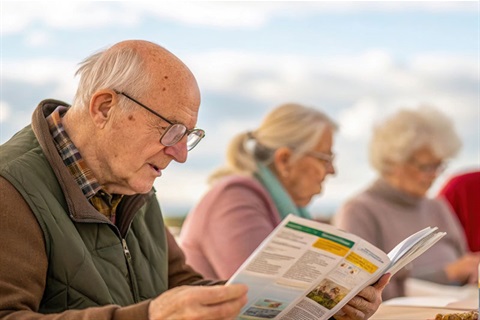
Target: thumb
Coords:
[(383, 281)]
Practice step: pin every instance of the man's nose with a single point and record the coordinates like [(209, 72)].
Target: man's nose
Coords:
[(178, 151)]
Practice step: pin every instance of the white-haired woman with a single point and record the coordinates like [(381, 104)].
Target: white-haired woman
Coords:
[(409, 150), (270, 172)]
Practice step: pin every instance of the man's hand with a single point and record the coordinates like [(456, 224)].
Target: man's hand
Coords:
[(197, 302), (365, 303)]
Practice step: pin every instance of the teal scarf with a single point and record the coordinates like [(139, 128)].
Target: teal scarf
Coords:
[(282, 199)]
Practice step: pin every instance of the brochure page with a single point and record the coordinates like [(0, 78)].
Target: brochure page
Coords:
[(305, 270)]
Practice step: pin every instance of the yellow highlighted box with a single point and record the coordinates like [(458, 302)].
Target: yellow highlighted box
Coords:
[(361, 262), (332, 247)]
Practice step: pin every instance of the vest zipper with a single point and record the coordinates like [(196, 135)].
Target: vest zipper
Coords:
[(126, 251), (133, 283)]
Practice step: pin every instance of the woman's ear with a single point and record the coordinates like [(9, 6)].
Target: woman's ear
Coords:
[(101, 107), (281, 161)]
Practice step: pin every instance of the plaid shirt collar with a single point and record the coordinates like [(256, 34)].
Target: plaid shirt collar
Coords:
[(70, 154), (105, 203)]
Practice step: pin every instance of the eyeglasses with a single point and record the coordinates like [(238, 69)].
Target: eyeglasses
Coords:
[(435, 168), (325, 157), (175, 131)]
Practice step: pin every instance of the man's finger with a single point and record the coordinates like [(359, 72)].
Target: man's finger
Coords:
[(220, 294), (352, 313)]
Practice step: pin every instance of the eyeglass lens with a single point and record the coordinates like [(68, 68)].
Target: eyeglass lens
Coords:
[(175, 133), (194, 138)]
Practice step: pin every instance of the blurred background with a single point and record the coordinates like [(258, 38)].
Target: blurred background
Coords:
[(357, 61)]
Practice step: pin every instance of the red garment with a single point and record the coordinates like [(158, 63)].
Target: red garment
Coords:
[(463, 194)]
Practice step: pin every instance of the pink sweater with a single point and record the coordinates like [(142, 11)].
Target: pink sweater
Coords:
[(226, 226)]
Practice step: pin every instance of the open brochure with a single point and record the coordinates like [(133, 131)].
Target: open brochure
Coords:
[(308, 270)]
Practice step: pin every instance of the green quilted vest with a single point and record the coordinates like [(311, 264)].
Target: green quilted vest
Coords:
[(90, 262)]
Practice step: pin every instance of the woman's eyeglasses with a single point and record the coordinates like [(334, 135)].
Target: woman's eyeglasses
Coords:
[(435, 168), (325, 157)]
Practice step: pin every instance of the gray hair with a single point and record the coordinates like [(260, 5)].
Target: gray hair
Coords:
[(399, 136), (289, 125), (121, 68)]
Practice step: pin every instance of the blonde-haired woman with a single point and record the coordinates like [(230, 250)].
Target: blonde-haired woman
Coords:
[(270, 172), (409, 150)]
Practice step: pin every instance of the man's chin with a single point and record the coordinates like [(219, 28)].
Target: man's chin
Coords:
[(139, 189), (144, 190)]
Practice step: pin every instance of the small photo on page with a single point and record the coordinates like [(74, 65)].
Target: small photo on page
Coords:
[(328, 293), (264, 309)]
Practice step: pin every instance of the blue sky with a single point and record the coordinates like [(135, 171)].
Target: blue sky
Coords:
[(358, 61)]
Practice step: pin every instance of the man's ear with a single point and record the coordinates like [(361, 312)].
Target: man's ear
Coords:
[(101, 106), (281, 160)]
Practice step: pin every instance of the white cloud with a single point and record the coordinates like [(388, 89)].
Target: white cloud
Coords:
[(13, 18), (39, 70), (37, 38), (220, 134), (19, 15), (10, 119), (272, 78), (4, 112), (219, 14), (356, 122), (434, 65)]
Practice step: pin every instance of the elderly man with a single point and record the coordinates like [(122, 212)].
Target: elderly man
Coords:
[(81, 232)]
